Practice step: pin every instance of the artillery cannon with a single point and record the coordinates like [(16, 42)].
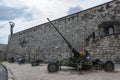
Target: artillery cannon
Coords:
[(78, 61), (34, 62)]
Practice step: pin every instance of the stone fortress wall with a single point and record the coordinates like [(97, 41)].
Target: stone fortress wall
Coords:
[(3, 48), (97, 29)]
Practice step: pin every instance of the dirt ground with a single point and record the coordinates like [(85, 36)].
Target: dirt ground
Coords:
[(27, 72)]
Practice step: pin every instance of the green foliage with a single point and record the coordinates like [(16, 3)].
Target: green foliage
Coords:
[(65, 62)]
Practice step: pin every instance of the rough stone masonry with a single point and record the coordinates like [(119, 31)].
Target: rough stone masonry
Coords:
[(96, 29), (3, 54)]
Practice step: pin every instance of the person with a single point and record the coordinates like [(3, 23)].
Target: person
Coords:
[(84, 54)]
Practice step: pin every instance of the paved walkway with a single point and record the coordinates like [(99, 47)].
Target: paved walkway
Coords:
[(27, 72)]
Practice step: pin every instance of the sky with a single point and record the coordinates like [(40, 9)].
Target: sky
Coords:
[(29, 13)]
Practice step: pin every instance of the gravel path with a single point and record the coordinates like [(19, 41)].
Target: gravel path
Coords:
[(26, 72)]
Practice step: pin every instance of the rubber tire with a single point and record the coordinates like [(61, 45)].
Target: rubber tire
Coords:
[(109, 66), (52, 67)]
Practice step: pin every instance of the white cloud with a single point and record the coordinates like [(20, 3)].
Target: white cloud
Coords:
[(92, 3), (4, 30), (41, 9)]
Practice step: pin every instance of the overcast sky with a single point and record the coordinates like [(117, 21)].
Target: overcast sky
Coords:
[(28, 13)]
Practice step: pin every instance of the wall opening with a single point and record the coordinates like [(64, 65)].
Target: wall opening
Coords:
[(110, 30), (106, 28), (93, 35)]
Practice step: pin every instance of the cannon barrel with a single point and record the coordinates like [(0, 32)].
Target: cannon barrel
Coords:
[(74, 51)]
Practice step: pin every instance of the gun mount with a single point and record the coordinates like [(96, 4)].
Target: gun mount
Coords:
[(79, 62), (22, 59)]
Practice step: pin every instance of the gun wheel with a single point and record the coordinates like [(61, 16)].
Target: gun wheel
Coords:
[(109, 66), (52, 67)]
